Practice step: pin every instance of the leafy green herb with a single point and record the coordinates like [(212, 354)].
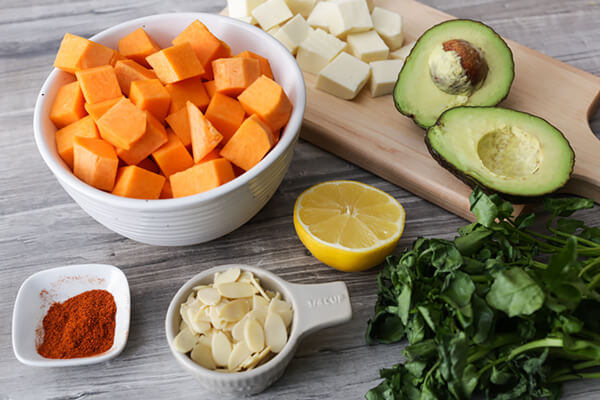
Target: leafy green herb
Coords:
[(503, 309)]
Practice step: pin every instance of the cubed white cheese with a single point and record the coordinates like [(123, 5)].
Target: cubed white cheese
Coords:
[(294, 32), (321, 15), (271, 13), (402, 52), (241, 9), (368, 46), (349, 16), (274, 30), (303, 7), (344, 77), (384, 75), (389, 26), (317, 50)]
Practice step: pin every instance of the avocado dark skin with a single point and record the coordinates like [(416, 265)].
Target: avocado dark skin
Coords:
[(472, 182)]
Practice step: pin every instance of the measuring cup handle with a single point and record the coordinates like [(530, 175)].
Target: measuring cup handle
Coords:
[(321, 306)]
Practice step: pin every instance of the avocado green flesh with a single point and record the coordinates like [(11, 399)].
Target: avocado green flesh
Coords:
[(417, 96), (503, 150)]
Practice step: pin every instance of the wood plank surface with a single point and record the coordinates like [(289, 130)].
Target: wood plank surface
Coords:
[(41, 227)]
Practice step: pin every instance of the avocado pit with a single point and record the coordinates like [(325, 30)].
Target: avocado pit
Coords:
[(457, 67), (510, 152)]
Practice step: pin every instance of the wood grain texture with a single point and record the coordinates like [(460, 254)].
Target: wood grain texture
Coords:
[(41, 227)]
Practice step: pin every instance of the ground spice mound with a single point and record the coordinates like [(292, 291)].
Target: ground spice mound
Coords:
[(82, 326)]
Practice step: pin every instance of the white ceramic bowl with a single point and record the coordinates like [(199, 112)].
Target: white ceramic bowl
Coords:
[(206, 216), (43, 288), (315, 307)]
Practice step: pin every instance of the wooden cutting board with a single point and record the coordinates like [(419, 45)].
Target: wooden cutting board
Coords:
[(372, 134)]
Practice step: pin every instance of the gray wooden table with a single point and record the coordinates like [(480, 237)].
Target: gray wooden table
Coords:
[(41, 227)]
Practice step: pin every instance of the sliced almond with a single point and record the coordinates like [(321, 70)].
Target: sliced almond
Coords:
[(221, 348), (184, 341), (259, 288), (231, 275), (238, 355), (238, 329), (254, 335), (206, 339), (245, 276), (235, 290), (208, 296), (200, 327), (283, 308), (234, 310), (275, 332), (202, 355), (254, 359), (198, 287), (215, 319)]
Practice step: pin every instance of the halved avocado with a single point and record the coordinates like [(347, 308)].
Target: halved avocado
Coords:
[(455, 63), (517, 155)]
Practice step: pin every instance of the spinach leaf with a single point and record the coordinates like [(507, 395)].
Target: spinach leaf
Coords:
[(515, 293)]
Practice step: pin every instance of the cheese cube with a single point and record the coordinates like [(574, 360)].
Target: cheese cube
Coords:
[(402, 52), (344, 77), (317, 50), (273, 31), (241, 9), (349, 16), (303, 7), (384, 75), (321, 15), (368, 46), (389, 26), (271, 13), (294, 32)]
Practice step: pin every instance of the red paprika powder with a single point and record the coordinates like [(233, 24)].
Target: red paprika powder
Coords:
[(82, 326)]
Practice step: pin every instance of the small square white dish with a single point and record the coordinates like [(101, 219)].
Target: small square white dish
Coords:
[(44, 288)]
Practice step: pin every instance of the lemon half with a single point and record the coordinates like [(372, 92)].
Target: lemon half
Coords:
[(348, 225)]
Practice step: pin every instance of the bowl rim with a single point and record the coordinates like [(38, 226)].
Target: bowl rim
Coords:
[(288, 136), (275, 363), (124, 296)]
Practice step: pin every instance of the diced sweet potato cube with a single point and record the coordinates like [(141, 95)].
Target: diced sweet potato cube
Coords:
[(98, 109), (68, 105), (234, 75), (206, 45), (201, 177), (154, 137), (77, 53), (268, 100), (95, 162), (204, 135), (129, 71), (166, 192), (265, 66), (123, 124), (210, 87), (180, 123), (151, 95), (138, 183), (99, 84), (250, 144), (172, 157), (226, 114), (137, 46), (85, 127), (188, 90), (149, 165), (176, 63)]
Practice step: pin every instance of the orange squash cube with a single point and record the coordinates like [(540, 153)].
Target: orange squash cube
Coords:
[(123, 124), (250, 143), (201, 178), (226, 114), (98, 84), (129, 71), (95, 162), (154, 137), (151, 95), (85, 127), (265, 66), (210, 87), (172, 157), (175, 63), (137, 46), (188, 90), (180, 123), (203, 134), (138, 183), (234, 75), (68, 105), (268, 100), (77, 53), (97, 110)]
